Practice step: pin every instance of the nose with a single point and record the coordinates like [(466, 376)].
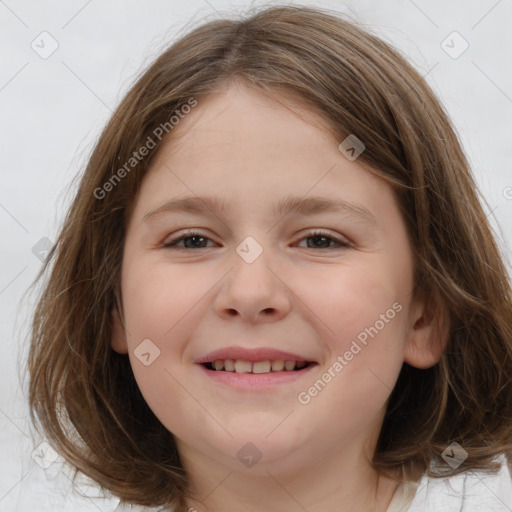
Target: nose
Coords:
[(254, 292)]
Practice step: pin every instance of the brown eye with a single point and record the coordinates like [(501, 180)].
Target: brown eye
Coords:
[(324, 240), (191, 240)]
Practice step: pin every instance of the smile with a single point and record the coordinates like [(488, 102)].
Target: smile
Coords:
[(243, 375), (243, 366)]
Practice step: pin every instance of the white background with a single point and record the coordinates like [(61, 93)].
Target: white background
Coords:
[(53, 110)]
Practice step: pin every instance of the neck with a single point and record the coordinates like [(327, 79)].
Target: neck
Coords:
[(339, 483)]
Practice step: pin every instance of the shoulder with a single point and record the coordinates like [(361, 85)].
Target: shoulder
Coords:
[(474, 490)]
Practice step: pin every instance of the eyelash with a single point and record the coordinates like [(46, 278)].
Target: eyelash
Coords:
[(172, 243)]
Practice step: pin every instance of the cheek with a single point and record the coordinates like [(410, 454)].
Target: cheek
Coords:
[(159, 297), (363, 308), (162, 304), (349, 301)]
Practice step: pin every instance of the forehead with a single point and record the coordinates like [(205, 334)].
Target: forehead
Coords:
[(245, 147), (239, 117)]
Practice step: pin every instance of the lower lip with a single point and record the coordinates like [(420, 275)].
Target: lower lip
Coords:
[(256, 381)]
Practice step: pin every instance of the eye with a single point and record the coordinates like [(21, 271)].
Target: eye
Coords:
[(191, 239), (323, 239), (195, 240)]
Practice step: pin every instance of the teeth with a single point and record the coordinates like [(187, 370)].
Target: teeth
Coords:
[(242, 366), (261, 367), (229, 365), (289, 365), (277, 366)]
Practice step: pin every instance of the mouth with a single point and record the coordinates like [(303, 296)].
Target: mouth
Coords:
[(255, 375), (256, 367)]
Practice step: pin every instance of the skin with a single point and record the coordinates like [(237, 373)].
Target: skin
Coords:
[(246, 148)]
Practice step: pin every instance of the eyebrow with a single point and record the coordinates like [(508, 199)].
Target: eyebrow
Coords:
[(301, 205)]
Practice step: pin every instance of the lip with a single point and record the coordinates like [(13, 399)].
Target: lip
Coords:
[(256, 381), (252, 355)]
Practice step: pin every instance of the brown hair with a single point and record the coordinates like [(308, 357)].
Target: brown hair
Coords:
[(84, 394)]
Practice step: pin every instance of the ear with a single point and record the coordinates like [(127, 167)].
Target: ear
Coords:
[(428, 333), (118, 342)]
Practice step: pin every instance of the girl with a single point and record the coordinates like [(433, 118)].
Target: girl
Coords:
[(277, 289)]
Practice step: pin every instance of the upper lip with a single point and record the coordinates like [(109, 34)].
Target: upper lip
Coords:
[(255, 354)]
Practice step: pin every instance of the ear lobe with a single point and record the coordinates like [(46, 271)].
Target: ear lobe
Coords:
[(428, 334), (118, 342)]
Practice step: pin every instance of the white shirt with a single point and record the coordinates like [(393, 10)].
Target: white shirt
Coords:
[(472, 491)]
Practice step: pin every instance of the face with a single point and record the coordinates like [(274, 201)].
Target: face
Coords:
[(254, 242)]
